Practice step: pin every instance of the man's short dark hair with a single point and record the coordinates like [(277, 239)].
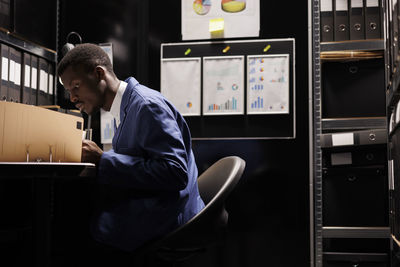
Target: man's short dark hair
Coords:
[(87, 56)]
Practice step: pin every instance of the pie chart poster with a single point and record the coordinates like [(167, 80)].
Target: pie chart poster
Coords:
[(241, 18)]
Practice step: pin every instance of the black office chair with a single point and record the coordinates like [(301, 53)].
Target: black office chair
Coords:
[(208, 226)]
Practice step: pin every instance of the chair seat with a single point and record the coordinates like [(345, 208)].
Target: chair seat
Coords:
[(208, 227)]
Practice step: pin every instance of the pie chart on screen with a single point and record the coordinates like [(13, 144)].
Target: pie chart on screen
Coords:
[(202, 7)]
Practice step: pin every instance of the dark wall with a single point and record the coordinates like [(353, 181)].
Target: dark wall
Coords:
[(35, 21), (101, 22), (269, 209)]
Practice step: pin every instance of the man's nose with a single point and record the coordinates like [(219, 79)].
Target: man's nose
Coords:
[(73, 98)]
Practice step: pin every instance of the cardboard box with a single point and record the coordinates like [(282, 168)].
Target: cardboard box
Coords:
[(30, 133)]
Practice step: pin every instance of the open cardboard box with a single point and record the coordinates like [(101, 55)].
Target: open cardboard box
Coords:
[(30, 133)]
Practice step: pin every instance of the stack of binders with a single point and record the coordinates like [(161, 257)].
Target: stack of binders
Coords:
[(343, 20), (25, 78)]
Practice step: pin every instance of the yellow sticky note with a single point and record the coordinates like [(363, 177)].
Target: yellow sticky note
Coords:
[(216, 25)]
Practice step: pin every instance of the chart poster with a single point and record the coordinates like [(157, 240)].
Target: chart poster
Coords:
[(108, 48), (181, 84), (223, 85), (241, 18), (106, 126), (268, 84)]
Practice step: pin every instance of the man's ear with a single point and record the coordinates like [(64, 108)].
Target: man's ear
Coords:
[(100, 72)]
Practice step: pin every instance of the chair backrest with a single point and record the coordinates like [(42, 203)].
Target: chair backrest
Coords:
[(215, 184), (220, 178)]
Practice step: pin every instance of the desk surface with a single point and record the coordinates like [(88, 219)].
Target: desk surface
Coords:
[(46, 169)]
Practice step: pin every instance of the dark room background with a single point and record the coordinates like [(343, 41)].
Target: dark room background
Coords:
[(269, 209)]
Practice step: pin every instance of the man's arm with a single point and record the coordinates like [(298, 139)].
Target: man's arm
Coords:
[(164, 168)]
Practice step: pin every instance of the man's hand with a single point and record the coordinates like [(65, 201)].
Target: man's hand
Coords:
[(90, 152)]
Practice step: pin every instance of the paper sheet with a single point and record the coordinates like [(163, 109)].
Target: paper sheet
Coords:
[(4, 69), (43, 81), (268, 84), (342, 139), (34, 78), (51, 84), (223, 85), (11, 69), (27, 81), (181, 84), (17, 74)]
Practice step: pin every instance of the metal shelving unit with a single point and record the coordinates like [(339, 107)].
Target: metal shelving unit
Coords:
[(316, 249), (392, 60), (322, 128)]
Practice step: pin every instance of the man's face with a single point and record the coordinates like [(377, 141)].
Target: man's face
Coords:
[(83, 89)]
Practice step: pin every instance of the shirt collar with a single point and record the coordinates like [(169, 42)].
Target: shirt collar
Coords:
[(115, 109)]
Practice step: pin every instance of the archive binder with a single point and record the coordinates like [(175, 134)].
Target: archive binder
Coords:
[(341, 19), (11, 74), (14, 90), (373, 19), (43, 82), (357, 20), (34, 79), (50, 96), (365, 137), (5, 58), (26, 91), (395, 32), (326, 21)]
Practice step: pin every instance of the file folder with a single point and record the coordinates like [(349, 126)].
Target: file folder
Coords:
[(326, 15), (26, 70), (357, 20), (43, 82), (373, 19), (34, 79), (14, 90), (341, 19), (5, 58)]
